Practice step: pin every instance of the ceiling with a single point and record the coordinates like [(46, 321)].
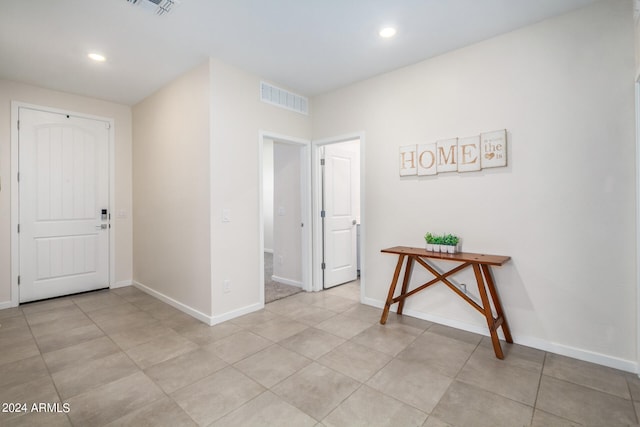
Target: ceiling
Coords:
[(307, 46)]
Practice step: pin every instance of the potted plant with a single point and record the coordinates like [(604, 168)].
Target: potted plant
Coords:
[(429, 238), (437, 243), (451, 243)]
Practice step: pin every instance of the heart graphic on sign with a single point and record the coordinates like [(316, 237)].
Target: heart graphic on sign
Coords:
[(489, 156)]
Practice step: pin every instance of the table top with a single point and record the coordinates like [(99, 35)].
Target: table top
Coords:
[(460, 256)]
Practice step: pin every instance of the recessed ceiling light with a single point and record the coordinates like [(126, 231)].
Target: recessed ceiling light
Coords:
[(387, 32), (97, 57)]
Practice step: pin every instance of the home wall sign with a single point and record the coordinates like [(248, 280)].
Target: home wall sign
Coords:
[(487, 150)]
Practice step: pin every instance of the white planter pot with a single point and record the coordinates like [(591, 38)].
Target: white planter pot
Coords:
[(436, 248), (451, 249), (429, 246)]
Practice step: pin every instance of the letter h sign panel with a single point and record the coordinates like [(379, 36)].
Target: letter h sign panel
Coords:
[(408, 160)]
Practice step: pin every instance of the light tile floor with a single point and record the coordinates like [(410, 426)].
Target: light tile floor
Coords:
[(122, 358)]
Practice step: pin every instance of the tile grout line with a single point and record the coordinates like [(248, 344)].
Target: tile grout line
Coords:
[(105, 334), (364, 383), (139, 370), (588, 388), (361, 383), (455, 378), (632, 401), (535, 401), (47, 366), (428, 414)]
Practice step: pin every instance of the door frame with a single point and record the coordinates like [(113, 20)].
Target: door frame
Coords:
[(317, 207), (15, 189), (305, 208), (637, 179)]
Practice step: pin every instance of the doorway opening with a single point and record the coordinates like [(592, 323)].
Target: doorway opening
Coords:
[(285, 216), (338, 213)]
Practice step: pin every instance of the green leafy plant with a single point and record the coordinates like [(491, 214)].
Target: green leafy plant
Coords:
[(446, 239), (450, 240)]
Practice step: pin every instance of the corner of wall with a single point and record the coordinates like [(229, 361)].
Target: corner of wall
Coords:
[(175, 263)]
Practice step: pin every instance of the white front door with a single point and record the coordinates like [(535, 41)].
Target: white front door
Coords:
[(340, 231), (64, 204)]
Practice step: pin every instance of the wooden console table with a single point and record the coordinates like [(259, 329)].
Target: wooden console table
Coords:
[(481, 267)]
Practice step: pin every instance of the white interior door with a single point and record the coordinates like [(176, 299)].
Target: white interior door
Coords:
[(340, 231), (64, 202)]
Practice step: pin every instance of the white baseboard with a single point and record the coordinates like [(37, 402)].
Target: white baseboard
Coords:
[(540, 344), (236, 313), (6, 304), (209, 320), (122, 284), (176, 304), (286, 281)]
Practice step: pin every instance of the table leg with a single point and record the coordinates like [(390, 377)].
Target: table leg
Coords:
[(496, 302), (392, 289), (486, 305), (405, 282)]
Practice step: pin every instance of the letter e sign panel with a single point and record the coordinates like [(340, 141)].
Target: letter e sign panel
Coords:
[(408, 161), (494, 149), (469, 154)]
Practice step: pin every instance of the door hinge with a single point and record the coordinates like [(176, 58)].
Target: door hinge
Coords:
[(18, 124), (108, 125), (323, 266), (18, 228), (323, 214), (18, 280), (321, 162), (18, 176)]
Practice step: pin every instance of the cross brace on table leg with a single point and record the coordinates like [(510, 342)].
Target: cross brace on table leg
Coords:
[(492, 323)]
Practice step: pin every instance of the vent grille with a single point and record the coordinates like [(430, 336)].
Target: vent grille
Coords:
[(159, 7), (283, 98)]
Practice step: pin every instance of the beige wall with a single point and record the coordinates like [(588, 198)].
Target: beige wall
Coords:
[(238, 116), (11, 91), (195, 155), (171, 191), (564, 208)]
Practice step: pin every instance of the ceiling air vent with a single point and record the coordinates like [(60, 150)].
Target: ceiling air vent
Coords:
[(283, 98), (159, 7)]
